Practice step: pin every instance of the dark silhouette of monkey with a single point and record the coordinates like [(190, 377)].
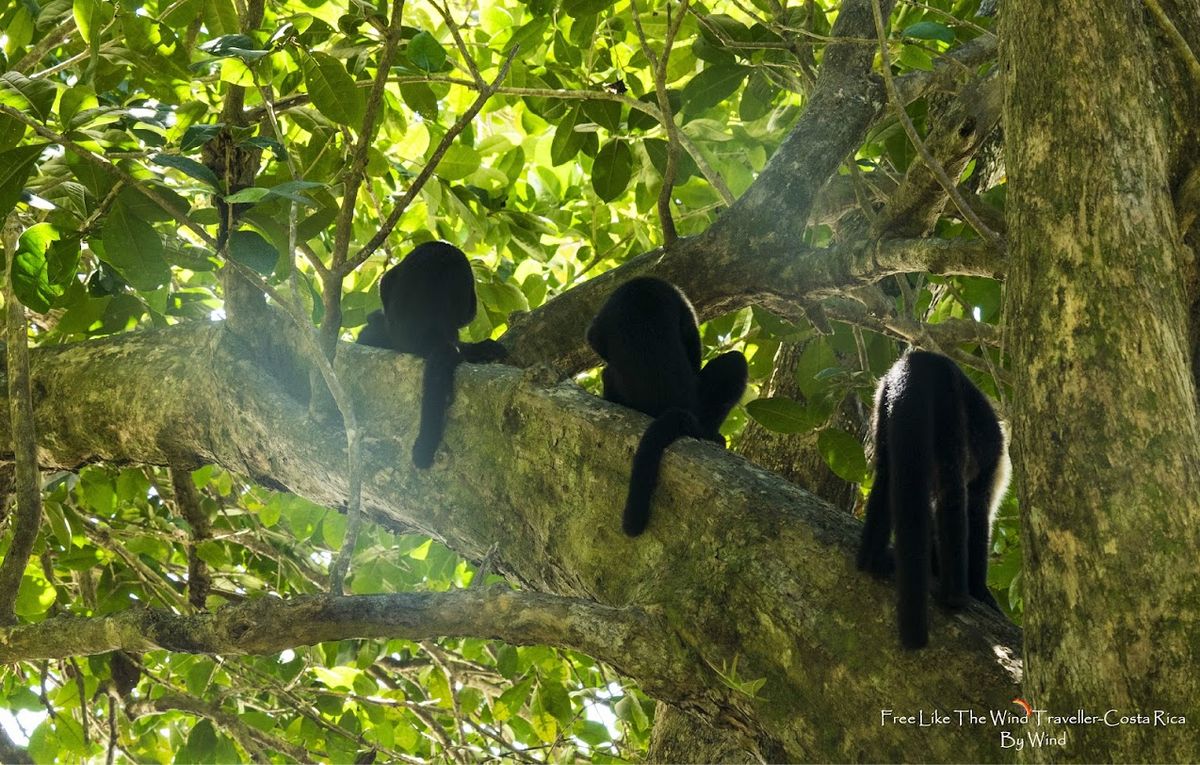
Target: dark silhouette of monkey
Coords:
[(940, 453), (647, 335), (427, 298)]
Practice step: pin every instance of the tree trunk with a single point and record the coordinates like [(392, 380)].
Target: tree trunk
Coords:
[(1106, 429)]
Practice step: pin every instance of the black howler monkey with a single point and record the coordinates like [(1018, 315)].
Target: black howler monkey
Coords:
[(647, 335), (940, 453), (427, 298)]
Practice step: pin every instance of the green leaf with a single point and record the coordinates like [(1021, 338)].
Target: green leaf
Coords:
[(220, 17), (20, 92), (458, 162), (35, 594), (929, 30), (249, 195), (555, 700), (782, 415), (712, 86), (606, 114), (612, 170), (146, 208), (190, 167), (844, 454), (332, 90), (426, 53), (91, 16), (757, 97), (579, 8), (629, 710), (250, 249), (19, 29), (530, 35), (201, 744), (134, 249), (266, 142), (656, 150), (74, 101), (15, 166), (12, 131), (567, 141), (290, 190), (420, 98), (239, 45), (198, 135), (31, 272)]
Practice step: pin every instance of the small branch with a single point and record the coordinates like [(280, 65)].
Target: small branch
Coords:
[(27, 518), (252, 740), (366, 135), (943, 337), (187, 504), (664, 107), (108, 167), (452, 25), (1176, 39), (623, 636), (162, 588), (427, 171), (897, 102), (53, 38)]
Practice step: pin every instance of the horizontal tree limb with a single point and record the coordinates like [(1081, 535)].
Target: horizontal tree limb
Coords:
[(736, 563), (782, 282), (625, 637)]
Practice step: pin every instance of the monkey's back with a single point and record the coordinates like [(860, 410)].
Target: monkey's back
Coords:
[(946, 395), (646, 333), (427, 297)]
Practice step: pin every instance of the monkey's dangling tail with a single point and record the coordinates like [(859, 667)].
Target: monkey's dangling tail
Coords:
[(667, 428), (437, 390), (910, 483)]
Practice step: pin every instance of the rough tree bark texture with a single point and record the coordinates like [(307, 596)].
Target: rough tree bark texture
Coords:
[(1105, 403), (737, 563)]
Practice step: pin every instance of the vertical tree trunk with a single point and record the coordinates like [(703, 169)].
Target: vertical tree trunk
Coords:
[(1106, 432)]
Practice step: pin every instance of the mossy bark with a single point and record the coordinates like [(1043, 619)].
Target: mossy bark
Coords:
[(737, 564), (1106, 424)]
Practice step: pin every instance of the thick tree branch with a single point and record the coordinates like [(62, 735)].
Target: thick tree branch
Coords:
[(782, 283), (538, 472), (11, 753)]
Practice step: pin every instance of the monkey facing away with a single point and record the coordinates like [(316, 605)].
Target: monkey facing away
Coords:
[(427, 298), (647, 335), (941, 454)]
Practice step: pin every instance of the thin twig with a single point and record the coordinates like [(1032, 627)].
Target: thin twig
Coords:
[(179, 216), (934, 166), (358, 156), (53, 38), (444, 10), (1177, 39), (427, 171), (666, 117)]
